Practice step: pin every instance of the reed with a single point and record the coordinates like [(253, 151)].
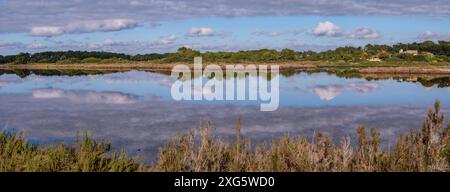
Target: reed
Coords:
[(427, 150), (85, 155)]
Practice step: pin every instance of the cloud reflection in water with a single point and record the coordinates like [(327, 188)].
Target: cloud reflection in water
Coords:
[(329, 92), (85, 96)]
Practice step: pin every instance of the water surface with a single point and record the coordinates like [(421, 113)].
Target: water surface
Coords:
[(134, 110)]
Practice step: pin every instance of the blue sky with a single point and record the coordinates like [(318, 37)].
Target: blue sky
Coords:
[(162, 26)]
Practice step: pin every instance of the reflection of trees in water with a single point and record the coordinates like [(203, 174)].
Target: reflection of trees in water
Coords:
[(22, 73), (426, 80), (440, 82), (344, 73), (19, 72)]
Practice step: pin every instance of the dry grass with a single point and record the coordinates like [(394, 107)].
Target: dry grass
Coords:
[(427, 150)]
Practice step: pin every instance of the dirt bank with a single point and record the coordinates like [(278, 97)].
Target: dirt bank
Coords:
[(442, 70), (406, 70)]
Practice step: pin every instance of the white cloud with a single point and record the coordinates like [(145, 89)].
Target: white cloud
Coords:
[(277, 33), (364, 33), (164, 42), (327, 29), (430, 35), (36, 46), (22, 15), (85, 27), (46, 31), (427, 35), (101, 25), (203, 32), (266, 33), (167, 40), (7, 44)]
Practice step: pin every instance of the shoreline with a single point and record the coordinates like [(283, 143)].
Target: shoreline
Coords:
[(381, 69)]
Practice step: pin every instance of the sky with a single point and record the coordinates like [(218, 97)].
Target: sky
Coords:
[(149, 26)]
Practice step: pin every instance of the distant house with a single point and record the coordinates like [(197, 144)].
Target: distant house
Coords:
[(374, 59), (411, 52)]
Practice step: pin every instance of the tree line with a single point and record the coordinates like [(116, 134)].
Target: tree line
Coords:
[(428, 51)]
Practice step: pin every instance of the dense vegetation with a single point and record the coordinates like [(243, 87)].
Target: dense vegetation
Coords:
[(428, 51), (88, 155), (424, 150)]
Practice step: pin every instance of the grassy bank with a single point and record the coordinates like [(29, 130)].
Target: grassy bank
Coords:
[(359, 68), (424, 150)]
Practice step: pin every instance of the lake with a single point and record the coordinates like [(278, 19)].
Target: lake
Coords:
[(134, 110)]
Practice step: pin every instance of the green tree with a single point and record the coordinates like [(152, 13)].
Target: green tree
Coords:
[(22, 58), (2, 59), (288, 54)]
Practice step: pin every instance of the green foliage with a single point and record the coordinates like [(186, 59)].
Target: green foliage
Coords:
[(88, 155), (441, 82), (288, 55), (440, 48), (429, 51), (69, 61), (60, 57), (9, 58), (22, 58), (2, 59), (183, 54), (148, 57), (91, 60)]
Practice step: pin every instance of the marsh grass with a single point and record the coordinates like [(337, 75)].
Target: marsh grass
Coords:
[(427, 150), (84, 155), (200, 151)]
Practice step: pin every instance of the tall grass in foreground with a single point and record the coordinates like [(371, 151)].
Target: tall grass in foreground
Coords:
[(87, 155), (425, 150)]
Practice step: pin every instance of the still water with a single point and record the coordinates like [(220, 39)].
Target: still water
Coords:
[(134, 110)]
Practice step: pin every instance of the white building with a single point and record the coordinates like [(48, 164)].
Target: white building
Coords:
[(374, 59), (411, 52)]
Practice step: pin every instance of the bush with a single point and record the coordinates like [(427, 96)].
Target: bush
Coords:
[(16, 154), (69, 61), (428, 150), (91, 60)]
